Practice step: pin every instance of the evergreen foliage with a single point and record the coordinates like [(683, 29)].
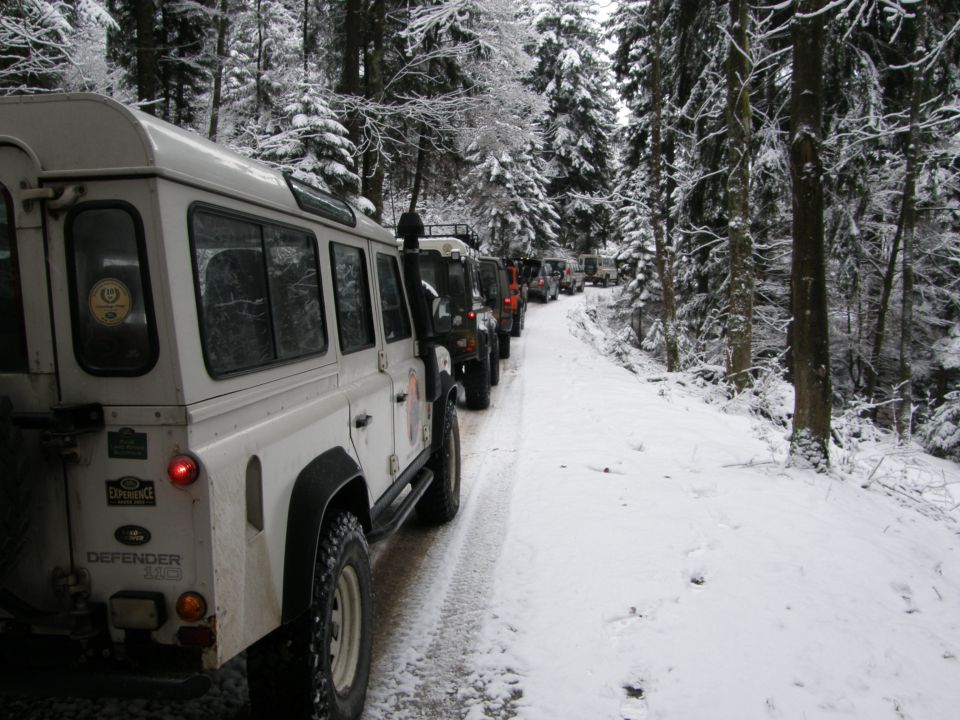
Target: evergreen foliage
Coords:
[(501, 114), (578, 121)]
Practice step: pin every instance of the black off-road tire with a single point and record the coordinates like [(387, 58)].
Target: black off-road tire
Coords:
[(14, 488), (505, 342), (517, 329), (476, 382), (495, 360), (317, 666), (441, 501)]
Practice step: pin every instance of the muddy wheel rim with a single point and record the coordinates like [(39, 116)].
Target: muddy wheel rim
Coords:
[(345, 630)]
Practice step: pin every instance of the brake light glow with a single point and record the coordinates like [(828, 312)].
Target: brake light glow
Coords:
[(540, 282), (471, 314), (506, 301), (183, 470)]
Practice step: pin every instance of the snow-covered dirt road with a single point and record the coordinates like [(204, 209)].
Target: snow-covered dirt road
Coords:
[(433, 585), (634, 546)]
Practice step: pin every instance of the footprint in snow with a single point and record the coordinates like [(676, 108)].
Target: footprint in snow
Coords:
[(634, 706), (617, 625), (606, 469), (904, 591)]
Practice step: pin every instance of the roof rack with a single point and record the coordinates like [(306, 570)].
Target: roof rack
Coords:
[(460, 231)]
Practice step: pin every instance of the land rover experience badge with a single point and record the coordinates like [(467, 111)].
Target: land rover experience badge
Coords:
[(131, 492)]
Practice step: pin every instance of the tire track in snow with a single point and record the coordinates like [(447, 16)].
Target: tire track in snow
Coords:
[(434, 584)]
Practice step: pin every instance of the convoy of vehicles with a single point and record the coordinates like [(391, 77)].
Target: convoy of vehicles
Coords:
[(218, 385), (599, 269), (496, 287), (571, 278), (452, 268), (542, 279)]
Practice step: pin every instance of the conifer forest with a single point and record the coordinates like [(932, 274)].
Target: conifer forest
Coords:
[(779, 181)]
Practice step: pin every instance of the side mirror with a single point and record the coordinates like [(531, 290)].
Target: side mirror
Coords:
[(442, 315)]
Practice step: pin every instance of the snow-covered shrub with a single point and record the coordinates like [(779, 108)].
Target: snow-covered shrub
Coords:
[(941, 433)]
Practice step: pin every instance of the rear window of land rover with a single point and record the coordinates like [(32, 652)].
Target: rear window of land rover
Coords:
[(112, 311)]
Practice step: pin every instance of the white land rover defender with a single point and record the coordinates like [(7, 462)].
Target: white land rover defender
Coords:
[(216, 385)]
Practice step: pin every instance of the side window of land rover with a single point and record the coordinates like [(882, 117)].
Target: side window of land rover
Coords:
[(351, 289), (396, 320), (258, 292)]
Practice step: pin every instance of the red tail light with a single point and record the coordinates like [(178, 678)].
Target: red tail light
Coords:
[(471, 314), (183, 470), (540, 282), (506, 301)]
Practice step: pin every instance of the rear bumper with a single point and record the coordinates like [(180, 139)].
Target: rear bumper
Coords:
[(64, 683), (50, 665)]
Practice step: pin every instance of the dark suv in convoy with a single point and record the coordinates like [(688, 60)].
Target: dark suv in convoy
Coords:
[(542, 279), (450, 267), (495, 282)]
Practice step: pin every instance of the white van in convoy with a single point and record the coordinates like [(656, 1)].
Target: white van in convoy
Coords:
[(217, 385), (599, 269)]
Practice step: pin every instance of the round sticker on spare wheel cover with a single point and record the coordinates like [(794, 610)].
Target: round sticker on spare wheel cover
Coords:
[(109, 302), (413, 407)]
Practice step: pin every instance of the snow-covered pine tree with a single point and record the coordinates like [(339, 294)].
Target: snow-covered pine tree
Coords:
[(52, 45), (578, 120), (638, 63), (509, 202), (262, 64), (162, 48), (309, 141)]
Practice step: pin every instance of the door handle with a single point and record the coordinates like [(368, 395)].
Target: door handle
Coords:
[(362, 420), (401, 397)]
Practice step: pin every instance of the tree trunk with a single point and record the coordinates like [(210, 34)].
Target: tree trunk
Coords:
[(223, 23), (658, 202), (350, 69), (258, 84), (908, 211), (422, 149), (739, 119), (304, 40), (147, 63), (873, 369), (374, 160), (810, 342)]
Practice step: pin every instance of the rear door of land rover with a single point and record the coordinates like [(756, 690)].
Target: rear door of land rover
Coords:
[(32, 480), (105, 424)]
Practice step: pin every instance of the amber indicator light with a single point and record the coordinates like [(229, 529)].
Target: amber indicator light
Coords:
[(191, 607)]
